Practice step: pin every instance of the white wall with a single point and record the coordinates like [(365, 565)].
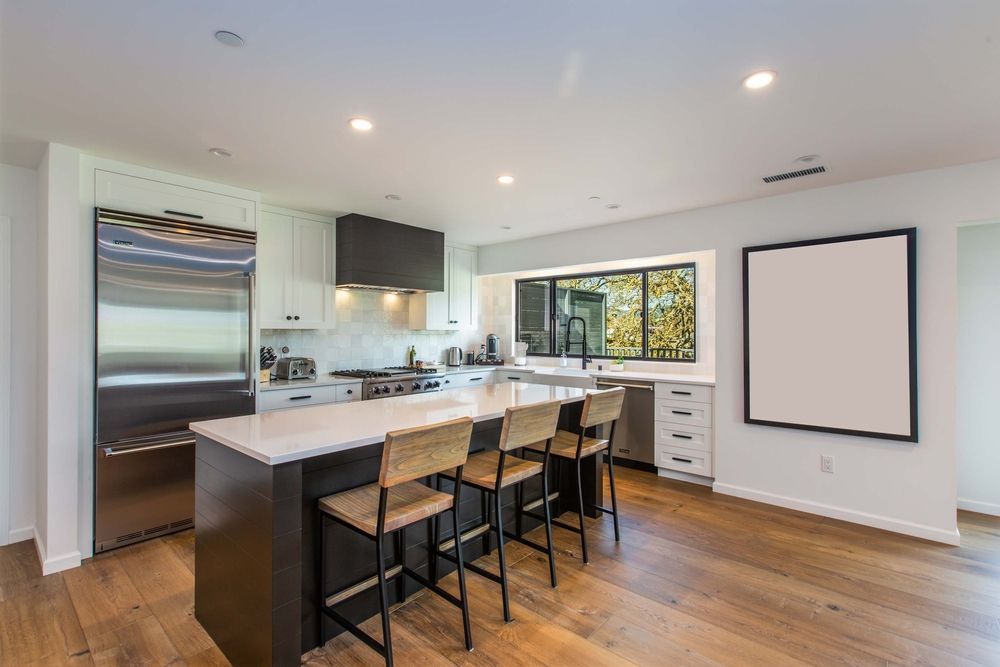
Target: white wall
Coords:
[(903, 487), (19, 202), (979, 368), (61, 335)]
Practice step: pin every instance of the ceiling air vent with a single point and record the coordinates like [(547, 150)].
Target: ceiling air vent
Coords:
[(795, 174)]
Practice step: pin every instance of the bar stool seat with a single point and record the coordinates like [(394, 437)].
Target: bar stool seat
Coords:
[(481, 470), (407, 503), (564, 445)]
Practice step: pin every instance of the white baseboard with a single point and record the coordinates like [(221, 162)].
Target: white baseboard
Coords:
[(979, 506), (51, 565), (20, 534), (684, 476), (844, 514)]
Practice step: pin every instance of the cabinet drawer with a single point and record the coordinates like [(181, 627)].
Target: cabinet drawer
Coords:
[(296, 398), (684, 392), (348, 392), (685, 460), (513, 376), (143, 195), (683, 412), (468, 379), (688, 437)]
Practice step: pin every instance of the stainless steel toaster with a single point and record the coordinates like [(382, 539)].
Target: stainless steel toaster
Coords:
[(295, 368)]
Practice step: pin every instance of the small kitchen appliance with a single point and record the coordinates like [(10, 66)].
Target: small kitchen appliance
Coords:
[(492, 348), (295, 368), (454, 356)]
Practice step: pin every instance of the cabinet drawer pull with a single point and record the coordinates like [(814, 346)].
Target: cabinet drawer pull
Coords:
[(682, 437), (677, 458), (513, 377), (681, 412), (288, 317), (680, 393), (350, 391), (296, 317), (300, 398), (194, 216), (475, 379)]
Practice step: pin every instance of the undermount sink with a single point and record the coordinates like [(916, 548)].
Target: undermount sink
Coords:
[(576, 372)]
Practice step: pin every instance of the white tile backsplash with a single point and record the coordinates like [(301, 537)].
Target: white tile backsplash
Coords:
[(372, 331)]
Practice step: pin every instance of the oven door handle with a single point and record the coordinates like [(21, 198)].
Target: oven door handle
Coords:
[(111, 451)]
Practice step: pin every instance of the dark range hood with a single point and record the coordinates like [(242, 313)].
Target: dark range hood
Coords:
[(388, 256)]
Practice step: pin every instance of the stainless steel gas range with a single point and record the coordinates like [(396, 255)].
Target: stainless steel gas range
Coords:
[(394, 381)]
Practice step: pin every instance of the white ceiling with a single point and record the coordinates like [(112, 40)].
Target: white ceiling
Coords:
[(637, 102)]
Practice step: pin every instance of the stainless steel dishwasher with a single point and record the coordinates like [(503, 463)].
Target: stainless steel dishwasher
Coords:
[(634, 432)]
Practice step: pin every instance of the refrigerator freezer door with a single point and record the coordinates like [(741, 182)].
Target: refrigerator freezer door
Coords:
[(174, 330), (143, 490)]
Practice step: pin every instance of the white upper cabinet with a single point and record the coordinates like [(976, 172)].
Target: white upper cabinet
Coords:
[(295, 288), (455, 307), (134, 194)]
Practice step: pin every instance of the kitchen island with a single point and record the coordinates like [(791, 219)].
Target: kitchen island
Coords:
[(258, 479)]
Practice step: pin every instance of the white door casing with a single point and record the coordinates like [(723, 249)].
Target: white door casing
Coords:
[(5, 349)]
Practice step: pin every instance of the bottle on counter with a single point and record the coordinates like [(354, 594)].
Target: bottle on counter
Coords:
[(411, 356), (564, 360)]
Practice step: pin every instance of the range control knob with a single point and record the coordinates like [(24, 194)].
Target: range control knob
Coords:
[(385, 389), (399, 387), (376, 391), (416, 386), (434, 385)]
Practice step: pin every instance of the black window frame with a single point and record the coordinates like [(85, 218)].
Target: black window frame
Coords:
[(645, 271)]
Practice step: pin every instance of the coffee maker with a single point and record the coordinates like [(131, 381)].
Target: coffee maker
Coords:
[(489, 354)]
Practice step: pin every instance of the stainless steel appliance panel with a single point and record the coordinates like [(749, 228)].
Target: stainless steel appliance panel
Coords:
[(634, 431), (143, 489), (174, 330)]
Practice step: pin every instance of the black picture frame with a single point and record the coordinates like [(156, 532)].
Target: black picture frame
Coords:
[(911, 280)]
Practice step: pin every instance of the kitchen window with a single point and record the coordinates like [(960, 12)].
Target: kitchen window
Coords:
[(647, 314)]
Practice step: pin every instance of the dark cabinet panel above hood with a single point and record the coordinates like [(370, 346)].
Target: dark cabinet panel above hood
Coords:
[(388, 256)]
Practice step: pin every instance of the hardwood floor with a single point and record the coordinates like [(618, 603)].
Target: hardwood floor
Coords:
[(698, 579)]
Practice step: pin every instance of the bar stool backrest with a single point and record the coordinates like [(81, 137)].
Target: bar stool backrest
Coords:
[(528, 424), (601, 407), (417, 452)]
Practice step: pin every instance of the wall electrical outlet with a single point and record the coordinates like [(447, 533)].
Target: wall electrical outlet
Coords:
[(826, 463)]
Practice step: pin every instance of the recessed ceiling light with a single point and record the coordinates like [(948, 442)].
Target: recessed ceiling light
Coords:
[(504, 226), (761, 79), (220, 152), (393, 197), (593, 198), (361, 124), (807, 159), (505, 179), (229, 38), (612, 206)]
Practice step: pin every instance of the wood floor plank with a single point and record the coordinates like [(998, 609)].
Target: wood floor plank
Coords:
[(698, 579)]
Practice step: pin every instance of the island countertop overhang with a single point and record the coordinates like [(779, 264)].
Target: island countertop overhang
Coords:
[(289, 435)]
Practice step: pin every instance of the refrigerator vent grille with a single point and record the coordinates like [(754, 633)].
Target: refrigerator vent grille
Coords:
[(130, 536), (157, 529), (182, 524)]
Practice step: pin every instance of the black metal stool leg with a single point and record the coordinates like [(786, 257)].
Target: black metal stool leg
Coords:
[(400, 558), (579, 496), (321, 554), (467, 624), (503, 559), (383, 599), (614, 496), (484, 515), (548, 528)]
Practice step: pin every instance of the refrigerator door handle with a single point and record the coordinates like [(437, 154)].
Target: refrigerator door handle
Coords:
[(111, 451), (251, 373)]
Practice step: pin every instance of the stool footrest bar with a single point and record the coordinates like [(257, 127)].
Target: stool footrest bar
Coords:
[(537, 502), (351, 591), (449, 544)]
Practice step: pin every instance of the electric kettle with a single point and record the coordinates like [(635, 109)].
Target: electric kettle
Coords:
[(454, 356)]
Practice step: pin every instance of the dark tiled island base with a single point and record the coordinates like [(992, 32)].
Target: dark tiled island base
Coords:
[(255, 542)]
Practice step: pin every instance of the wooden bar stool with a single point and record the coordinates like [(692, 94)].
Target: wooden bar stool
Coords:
[(493, 471), (391, 504), (600, 407)]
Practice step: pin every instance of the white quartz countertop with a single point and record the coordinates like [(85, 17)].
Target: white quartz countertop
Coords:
[(321, 381), (291, 435), (576, 371)]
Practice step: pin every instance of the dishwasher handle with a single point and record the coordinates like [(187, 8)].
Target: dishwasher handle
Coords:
[(648, 387)]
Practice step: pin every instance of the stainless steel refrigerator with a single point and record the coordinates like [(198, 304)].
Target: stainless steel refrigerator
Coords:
[(174, 345)]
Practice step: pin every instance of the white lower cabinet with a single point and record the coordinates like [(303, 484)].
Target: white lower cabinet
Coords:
[(683, 433), (298, 397), (459, 380)]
